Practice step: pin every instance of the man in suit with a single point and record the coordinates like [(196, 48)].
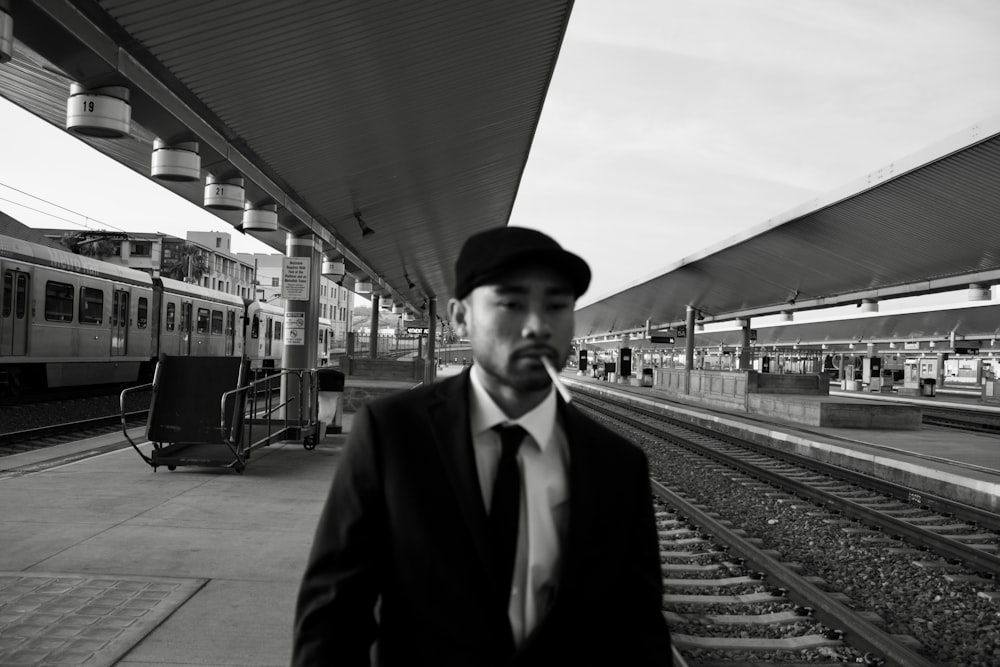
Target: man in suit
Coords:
[(482, 520)]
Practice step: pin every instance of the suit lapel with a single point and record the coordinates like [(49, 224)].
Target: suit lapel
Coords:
[(450, 422)]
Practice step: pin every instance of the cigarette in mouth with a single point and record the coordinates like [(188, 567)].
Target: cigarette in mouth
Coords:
[(560, 387)]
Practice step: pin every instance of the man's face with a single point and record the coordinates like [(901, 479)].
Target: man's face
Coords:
[(512, 323)]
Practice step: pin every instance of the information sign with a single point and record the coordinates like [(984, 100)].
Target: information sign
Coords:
[(295, 278), (682, 331), (416, 331), (295, 328)]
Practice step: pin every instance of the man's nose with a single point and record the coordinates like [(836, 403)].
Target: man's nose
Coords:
[(536, 325)]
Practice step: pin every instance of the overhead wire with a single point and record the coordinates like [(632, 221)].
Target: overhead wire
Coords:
[(86, 218)]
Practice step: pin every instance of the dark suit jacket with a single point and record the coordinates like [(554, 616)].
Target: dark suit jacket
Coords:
[(405, 522)]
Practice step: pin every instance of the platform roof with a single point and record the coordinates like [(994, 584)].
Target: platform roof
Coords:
[(955, 327), (923, 224), (421, 115), (417, 115)]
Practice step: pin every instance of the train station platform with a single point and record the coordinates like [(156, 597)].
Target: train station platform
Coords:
[(105, 562), (955, 464)]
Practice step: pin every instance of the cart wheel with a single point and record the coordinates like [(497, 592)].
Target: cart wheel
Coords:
[(309, 443), (171, 468), (239, 467)]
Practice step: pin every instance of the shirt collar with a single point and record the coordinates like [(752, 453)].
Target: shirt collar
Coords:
[(539, 422)]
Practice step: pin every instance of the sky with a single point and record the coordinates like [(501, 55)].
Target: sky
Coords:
[(669, 126)]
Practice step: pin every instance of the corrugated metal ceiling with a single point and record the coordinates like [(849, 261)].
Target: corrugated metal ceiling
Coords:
[(927, 223), (419, 115)]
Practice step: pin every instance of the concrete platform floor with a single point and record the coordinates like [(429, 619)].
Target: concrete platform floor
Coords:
[(104, 562), (219, 554)]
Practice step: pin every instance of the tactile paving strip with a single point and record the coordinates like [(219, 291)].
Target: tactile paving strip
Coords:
[(50, 620)]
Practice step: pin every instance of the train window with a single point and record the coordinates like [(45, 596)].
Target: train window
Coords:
[(91, 305), (8, 293), (277, 330), (171, 318), (58, 302), (217, 322), (142, 312), (202, 326), (255, 327), (231, 324)]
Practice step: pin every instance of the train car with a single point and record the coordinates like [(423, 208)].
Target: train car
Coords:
[(263, 344), (325, 341), (69, 320), (195, 321)]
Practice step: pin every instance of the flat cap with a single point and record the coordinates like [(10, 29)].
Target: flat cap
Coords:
[(489, 255)]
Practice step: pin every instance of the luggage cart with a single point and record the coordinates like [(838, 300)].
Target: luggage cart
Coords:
[(203, 412)]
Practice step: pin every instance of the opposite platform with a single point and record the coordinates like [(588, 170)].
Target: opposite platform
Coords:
[(954, 464)]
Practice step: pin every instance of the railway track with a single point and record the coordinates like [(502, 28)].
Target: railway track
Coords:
[(727, 600), (26, 440), (893, 533), (966, 420)]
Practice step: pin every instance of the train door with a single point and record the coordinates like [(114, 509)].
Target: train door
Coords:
[(119, 323), (14, 314), (231, 333), (185, 329), (267, 337)]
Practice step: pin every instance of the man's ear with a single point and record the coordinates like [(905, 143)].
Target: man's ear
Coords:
[(458, 314)]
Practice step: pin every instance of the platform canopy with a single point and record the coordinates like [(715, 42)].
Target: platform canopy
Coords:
[(926, 223), (410, 119)]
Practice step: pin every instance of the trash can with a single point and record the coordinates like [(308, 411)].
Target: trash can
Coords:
[(647, 377), (330, 395), (927, 386)]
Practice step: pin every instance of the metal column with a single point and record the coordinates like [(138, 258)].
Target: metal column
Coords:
[(373, 338), (745, 350), (430, 365), (689, 341), (300, 289)]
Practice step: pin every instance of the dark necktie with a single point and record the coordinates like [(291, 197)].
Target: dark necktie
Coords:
[(505, 508)]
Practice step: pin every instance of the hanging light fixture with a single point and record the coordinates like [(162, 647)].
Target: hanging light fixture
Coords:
[(365, 229), (224, 194), (333, 266), (99, 112), (176, 162), (263, 218)]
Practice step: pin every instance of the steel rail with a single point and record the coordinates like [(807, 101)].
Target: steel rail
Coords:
[(864, 635), (976, 559), (26, 435), (983, 518)]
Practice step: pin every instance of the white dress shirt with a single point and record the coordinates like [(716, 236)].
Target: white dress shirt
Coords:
[(543, 459)]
